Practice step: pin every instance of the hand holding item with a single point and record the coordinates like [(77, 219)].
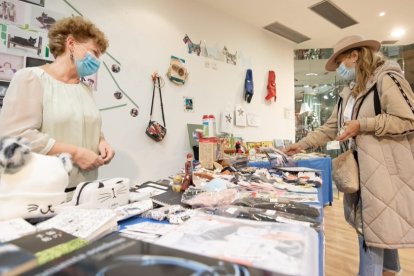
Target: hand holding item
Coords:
[(87, 159), (292, 149), (105, 150), (351, 130)]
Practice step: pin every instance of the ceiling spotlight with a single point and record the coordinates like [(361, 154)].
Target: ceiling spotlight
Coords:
[(399, 32), (325, 97), (381, 13), (311, 74)]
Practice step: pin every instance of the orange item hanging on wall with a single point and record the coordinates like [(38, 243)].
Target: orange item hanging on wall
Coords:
[(271, 86)]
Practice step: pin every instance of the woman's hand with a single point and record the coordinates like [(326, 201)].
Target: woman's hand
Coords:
[(105, 150), (292, 149), (351, 130), (87, 159)]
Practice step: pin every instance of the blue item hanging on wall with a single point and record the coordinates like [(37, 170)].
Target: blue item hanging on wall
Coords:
[(248, 86)]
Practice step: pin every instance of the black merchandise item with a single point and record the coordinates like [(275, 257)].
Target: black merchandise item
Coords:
[(290, 207), (15, 260), (49, 244), (155, 130), (118, 255)]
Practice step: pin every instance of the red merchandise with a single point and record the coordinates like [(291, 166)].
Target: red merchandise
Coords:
[(271, 86)]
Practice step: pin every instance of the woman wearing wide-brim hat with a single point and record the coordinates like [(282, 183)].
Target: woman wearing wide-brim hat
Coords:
[(382, 128)]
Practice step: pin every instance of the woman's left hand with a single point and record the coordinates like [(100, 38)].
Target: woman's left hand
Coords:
[(351, 130), (106, 151)]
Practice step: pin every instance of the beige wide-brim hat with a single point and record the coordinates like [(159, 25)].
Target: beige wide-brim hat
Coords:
[(350, 42)]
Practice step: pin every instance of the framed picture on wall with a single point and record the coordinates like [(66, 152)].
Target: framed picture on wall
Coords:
[(34, 62), (9, 64), (188, 104), (3, 89), (12, 12), (35, 2), (43, 19), (23, 42)]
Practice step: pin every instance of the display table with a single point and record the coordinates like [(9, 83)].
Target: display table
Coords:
[(321, 236)]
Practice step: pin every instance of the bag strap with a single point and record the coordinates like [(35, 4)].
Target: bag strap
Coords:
[(152, 102), (402, 91), (162, 106)]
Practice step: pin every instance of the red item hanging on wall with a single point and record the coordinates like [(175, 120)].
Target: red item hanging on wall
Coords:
[(271, 86)]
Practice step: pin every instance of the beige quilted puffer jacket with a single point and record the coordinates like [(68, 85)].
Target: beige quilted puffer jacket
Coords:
[(385, 148)]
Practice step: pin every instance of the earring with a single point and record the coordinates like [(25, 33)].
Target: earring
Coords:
[(71, 56)]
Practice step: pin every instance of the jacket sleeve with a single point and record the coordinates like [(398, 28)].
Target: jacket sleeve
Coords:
[(22, 111), (323, 134), (397, 117)]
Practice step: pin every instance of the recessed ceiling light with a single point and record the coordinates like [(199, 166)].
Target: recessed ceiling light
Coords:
[(311, 74), (399, 32), (381, 13)]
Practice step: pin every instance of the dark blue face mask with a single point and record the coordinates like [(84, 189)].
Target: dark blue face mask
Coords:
[(87, 66)]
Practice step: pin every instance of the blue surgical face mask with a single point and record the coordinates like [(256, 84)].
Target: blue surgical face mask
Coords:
[(87, 66), (346, 73)]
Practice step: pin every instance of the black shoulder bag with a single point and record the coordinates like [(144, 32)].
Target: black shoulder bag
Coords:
[(155, 130)]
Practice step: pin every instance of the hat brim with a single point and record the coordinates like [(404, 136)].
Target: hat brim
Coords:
[(331, 64)]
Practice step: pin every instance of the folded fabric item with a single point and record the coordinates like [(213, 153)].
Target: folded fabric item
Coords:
[(197, 198), (133, 209), (271, 86), (284, 206), (248, 86), (296, 188), (261, 215), (175, 214)]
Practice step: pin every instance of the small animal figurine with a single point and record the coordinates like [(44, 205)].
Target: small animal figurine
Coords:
[(230, 58), (192, 47)]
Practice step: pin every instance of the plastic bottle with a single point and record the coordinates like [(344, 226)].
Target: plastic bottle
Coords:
[(211, 126), (205, 126)]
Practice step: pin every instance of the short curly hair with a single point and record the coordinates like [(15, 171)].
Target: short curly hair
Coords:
[(80, 28)]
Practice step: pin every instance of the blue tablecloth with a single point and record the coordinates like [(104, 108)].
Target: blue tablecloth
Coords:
[(324, 164)]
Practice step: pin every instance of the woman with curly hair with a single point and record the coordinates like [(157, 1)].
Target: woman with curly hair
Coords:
[(53, 109)]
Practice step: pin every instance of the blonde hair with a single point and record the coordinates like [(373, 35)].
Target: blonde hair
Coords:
[(368, 61), (80, 28)]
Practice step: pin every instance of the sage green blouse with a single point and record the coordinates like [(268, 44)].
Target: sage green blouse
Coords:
[(45, 110)]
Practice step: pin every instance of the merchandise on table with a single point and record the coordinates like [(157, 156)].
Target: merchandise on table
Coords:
[(88, 224), (287, 207), (119, 255), (175, 214), (257, 214), (281, 248), (197, 198)]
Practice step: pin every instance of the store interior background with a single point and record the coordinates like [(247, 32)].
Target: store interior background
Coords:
[(144, 35)]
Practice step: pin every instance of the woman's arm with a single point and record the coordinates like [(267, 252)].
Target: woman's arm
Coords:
[(22, 112)]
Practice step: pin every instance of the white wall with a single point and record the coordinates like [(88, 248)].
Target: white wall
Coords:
[(143, 35)]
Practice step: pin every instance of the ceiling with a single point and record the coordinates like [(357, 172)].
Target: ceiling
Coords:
[(296, 15)]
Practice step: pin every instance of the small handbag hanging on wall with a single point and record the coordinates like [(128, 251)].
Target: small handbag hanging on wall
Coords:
[(155, 130)]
